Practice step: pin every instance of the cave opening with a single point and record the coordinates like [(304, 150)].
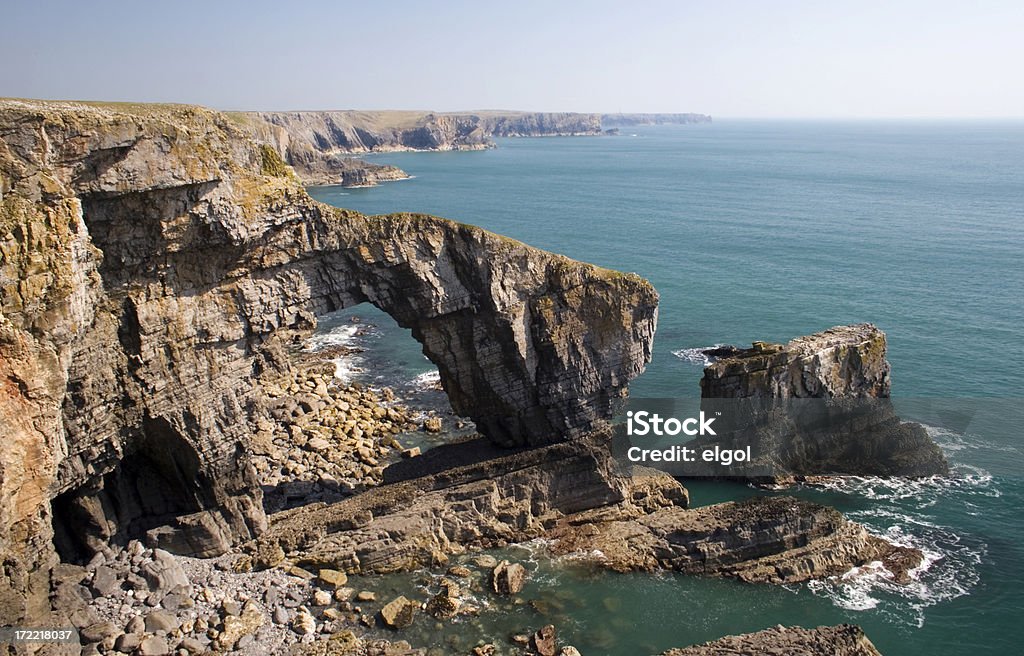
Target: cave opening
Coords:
[(157, 480)]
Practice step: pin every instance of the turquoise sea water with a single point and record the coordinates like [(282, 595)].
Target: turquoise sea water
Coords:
[(770, 230)]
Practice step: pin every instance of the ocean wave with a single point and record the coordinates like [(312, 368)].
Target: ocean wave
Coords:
[(956, 441), (922, 493), (905, 513), (347, 368), (696, 355)]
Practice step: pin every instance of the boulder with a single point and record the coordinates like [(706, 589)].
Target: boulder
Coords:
[(97, 632), (160, 620), (105, 581), (128, 642), (508, 578), (332, 578), (544, 641), (238, 626), (445, 603), (399, 613), (163, 572), (153, 646), (304, 624)]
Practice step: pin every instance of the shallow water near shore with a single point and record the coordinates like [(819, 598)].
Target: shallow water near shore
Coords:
[(770, 230)]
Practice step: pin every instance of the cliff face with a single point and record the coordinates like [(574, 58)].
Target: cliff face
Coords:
[(818, 405), (320, 144), (845, 361), (361, 132), (152, 258)]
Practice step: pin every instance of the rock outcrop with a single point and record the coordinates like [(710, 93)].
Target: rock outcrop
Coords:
[(155, 262), (153, 258), (841, 640), (574, 495), (819, 405)]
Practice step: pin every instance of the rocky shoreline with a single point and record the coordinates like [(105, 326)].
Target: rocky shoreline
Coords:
[(177, 478), (319, 145)]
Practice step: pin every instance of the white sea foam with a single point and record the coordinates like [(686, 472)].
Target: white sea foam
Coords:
[(343, 335), (696, 355), (427, 380), (957, 441), (346, 368), (950, 561), (949, 569), (925, 492)]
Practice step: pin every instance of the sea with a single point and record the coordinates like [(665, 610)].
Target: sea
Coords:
[(768, 230)]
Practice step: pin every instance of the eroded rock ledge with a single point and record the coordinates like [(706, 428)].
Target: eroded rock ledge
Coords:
[(841, 640), (153, 256), (574, 495)]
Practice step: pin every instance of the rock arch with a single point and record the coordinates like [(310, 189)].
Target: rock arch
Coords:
[(152, 260)]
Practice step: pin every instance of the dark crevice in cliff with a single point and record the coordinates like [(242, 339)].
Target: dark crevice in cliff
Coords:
[(158, 480)]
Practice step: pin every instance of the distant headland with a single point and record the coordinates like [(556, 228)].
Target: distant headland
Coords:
[(320, 145)]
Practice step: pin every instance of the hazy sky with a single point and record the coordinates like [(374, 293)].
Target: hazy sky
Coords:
[(726, 58)]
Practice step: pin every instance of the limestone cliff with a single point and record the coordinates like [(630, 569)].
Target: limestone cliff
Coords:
[(320, 144), (152, 256), (819, 405), (380, 131)]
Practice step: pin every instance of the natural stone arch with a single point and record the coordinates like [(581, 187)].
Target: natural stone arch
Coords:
[(532, 346), (166, 258)]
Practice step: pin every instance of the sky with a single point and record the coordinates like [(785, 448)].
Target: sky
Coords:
[(727, 58)]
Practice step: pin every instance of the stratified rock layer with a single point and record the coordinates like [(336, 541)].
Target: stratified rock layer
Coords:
[(819, 405), (152, 258), (841, 640), (844, 361), (574, 495)]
